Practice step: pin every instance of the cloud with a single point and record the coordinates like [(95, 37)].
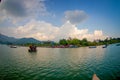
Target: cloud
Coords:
[(98, 32), (28, 11), (42, 30), (37, 29), (14, 8), (76, 16), (18, 10)]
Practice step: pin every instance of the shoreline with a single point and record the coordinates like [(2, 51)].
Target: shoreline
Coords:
[(62, 46)]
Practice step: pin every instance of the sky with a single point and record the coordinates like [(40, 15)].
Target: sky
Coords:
[(58, 19)]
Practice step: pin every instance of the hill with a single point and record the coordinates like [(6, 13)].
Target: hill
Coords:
[(27, 40), (11, 40), (7, 40)]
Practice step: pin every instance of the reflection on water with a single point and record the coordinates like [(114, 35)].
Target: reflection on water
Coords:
[(59, 63)]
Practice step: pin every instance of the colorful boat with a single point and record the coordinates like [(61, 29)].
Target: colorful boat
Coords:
[(32, 48)]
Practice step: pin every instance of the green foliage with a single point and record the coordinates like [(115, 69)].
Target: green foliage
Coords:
[(63, 42), (85, 42), (75, 42)]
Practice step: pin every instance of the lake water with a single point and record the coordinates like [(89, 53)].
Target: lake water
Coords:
[(59, 63)]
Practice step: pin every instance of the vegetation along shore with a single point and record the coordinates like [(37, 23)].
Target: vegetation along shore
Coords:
[(62, 43)]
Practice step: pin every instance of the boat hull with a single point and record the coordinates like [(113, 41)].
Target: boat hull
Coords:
[(32, 50), (13, 46), (95, 77), (92, 46)]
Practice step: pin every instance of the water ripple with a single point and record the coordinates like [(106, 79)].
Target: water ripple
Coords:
[(59, 64)]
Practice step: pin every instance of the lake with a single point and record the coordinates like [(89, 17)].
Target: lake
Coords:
[(60, 63)]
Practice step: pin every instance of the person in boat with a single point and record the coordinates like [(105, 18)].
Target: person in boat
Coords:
[(32, 48)]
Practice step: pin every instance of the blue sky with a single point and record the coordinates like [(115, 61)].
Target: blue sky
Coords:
[(103, 14), (90, 18)]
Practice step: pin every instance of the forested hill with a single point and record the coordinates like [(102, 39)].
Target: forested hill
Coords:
[(11, 40)]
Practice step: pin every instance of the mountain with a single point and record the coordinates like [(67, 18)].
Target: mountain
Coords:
[(7, 40), (27, 40), (11, 40)]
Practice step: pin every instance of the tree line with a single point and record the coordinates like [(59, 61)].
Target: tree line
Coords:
[(76, 42), (85, 42)]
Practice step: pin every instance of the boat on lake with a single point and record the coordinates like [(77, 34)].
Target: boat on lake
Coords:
[(92, 46), (13, 46), (72, 46), (95, 77), (32, 48), (118, 44), (105, 46)]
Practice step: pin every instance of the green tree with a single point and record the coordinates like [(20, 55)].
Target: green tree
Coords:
[(75, 41), (63, 42), (84, 42)]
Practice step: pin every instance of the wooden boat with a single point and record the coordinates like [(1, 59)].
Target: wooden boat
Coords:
[(95, 77), (32, 50)]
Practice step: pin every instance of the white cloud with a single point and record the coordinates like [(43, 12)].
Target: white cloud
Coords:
[(37, 29), (98, 33), (18, 10), (76, 16), (45, 31)]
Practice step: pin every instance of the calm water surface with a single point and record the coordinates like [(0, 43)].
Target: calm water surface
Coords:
[(59, 64)]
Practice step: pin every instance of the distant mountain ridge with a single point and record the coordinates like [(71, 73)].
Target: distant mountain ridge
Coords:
[(27, 40), (11, 40)]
